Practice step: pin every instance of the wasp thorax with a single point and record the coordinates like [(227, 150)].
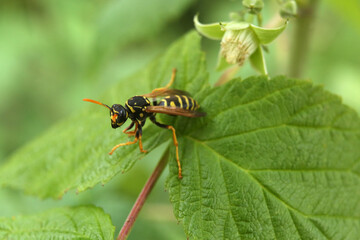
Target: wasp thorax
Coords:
[(118, 115), (237, 45)]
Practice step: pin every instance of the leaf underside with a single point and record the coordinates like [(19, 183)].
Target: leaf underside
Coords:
[(62, 223)]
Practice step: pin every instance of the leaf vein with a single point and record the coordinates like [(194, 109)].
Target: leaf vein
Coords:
[(267, 189), (71, 219), (274, 127), (227, 190), (268, 210), (98, 224), (55, 231), (258, 99), (346, 170), (200, 188), (320, 229), (295, 225)]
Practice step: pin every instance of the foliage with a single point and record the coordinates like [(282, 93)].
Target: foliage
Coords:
[(80, 158), (266, 164), (266, 153), (62, 223), (274, 158)]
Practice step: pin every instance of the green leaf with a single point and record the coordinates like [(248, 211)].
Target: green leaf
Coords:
[(212, 31), (267, 35), (257, 60), (74, 153), (276, 159), (62, 223)]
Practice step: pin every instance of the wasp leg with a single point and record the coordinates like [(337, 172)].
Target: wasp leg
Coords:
[(128, 128), (139, 136), (153, 119), (169, 84), (132, 133), (123, 144)]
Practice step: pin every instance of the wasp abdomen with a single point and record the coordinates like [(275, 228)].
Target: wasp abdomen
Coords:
[(180, 101)]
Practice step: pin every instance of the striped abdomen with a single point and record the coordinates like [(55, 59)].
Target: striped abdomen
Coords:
[(181, 101)]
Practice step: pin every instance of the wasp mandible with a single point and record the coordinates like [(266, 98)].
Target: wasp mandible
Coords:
[(139, 108)]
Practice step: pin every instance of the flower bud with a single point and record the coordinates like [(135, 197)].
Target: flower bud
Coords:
[(253, 6), (239, 41), (288, 9), (238, 45)]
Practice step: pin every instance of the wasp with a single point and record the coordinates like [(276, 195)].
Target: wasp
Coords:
[(139, 108)]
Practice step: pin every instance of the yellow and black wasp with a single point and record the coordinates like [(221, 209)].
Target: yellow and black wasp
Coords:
[(139, 108)]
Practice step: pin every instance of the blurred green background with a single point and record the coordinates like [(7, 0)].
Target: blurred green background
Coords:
[(54, 53)]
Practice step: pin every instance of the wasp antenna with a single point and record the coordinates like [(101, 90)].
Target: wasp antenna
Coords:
[(93, 101)]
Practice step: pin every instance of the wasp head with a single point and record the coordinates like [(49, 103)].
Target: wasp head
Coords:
[(118, 113)]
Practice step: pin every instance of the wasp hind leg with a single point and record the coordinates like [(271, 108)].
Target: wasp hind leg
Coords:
[(138, 135), (157, 90), (153, 119)]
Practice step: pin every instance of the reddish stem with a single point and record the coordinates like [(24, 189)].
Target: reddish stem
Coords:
[(125, 230), (227, 75)]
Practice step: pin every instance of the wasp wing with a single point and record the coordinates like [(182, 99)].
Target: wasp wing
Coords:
[(161, 92), (176, 111)]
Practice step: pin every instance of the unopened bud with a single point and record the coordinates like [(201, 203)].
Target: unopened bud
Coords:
[(253, 6), (288, 9), (238, 45)]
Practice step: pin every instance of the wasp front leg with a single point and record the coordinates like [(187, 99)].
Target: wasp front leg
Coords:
[(122, 144), (132, 133), (138, 136)]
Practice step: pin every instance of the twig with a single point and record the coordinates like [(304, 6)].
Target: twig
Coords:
[(125, 230)]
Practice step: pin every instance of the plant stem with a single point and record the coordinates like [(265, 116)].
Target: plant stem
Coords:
[(301, 40), (227, 75), (125, 230)]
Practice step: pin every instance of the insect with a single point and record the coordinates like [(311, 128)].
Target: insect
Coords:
[(139, 108)]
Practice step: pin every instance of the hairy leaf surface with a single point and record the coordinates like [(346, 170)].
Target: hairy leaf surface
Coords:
[(62, 223)]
